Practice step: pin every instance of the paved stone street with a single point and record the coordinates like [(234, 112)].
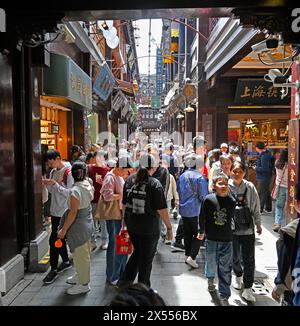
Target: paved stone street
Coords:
[(177, 283)]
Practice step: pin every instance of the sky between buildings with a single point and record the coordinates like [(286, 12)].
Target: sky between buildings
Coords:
[(143, 41)]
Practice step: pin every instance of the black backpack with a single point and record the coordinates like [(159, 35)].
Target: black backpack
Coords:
[(242, 215)]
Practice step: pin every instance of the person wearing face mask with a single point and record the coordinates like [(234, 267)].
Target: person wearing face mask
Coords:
[(247, 216), (215, 223)]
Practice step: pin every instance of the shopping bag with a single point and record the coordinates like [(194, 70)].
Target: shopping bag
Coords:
[(274, 192), (123, 243)]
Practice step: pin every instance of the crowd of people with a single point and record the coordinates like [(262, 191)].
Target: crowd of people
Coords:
[(143, 186)]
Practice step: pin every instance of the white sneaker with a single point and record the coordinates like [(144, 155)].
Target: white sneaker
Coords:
[(72, 279), (192, 262), (248, 295), (237, 283), (78, 289), (168, 242), (104, 246)]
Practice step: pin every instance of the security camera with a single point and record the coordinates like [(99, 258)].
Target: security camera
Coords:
[(265, 45), (276, 76), (279, 79)]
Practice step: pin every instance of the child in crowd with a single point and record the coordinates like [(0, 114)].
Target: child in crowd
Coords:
[(216, 223)]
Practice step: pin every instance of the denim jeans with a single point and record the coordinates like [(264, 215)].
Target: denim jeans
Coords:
[(279, 205), (219, 256), (115, 264)]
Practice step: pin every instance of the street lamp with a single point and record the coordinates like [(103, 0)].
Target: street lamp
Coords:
[(179, 116), (189, 109)]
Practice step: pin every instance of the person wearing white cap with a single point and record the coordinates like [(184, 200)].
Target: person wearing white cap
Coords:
[(224, 148)]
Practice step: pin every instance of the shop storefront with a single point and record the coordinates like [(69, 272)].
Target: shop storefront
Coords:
[(258, 114), (67, 94)]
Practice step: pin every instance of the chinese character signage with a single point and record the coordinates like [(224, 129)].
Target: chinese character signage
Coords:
[(293, 166), (64, 78), (148, 118), (257, 91), (295, 102), (159, 63)]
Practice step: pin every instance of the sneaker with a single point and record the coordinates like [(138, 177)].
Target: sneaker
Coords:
[(50, 277), (78, 289), (112, 283), (276, 227), (248, 295), (224, 302), (72, 279), (237, 283), (211, 286), (168, 242), (65, 265), (104, 246), (190, 261), (177, 246)]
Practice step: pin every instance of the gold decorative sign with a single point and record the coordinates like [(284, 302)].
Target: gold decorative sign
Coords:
[(293, 165)]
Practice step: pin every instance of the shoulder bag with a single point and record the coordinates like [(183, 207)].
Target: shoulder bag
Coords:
[(108, 210)]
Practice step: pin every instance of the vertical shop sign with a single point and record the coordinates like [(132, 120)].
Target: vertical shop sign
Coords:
[(159, 63), (293, 165), (86, 131)]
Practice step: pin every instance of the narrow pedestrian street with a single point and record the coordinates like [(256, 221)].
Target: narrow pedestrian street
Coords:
[(152, 145), (176, 282)]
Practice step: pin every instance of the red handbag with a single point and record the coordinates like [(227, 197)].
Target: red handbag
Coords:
[(123, 243)]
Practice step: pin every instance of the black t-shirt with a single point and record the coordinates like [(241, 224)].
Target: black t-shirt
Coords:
[(161, 174), (216, 223), (142, 203)]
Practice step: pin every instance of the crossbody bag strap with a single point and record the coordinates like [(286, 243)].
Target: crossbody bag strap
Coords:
[(191, 186), (282, 175)]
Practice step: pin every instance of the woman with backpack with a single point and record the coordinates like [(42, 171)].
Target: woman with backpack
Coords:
[(247, 215), (145, 204)]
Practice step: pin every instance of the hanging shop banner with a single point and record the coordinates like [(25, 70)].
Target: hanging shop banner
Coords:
[(104, 82), (159, 63), (148, 118), (155, 102), (64, 78), (166, 41), (293, 165), (257, 91), (118, 100)]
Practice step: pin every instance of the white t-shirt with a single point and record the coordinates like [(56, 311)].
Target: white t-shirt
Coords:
[(84, 192)]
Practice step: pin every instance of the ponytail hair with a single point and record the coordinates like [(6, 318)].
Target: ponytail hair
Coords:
[(142, 176), (147, 162)]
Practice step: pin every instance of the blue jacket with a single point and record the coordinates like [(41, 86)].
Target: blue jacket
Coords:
[(190, 200), (264, 166)]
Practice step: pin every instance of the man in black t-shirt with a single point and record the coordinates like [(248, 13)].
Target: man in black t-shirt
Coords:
[(216, 218)]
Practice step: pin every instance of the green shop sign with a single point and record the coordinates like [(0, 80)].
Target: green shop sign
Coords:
[(64, 78)]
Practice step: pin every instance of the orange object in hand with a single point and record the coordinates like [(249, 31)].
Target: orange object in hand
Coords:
[(58, 243)]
